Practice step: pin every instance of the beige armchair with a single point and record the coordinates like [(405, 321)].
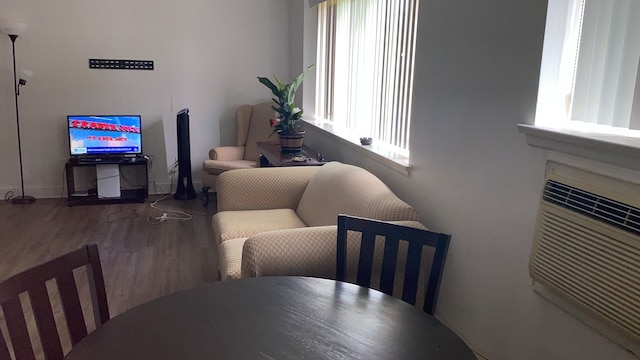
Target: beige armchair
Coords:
[(252, 125)]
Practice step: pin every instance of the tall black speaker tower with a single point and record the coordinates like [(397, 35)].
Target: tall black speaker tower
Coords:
[(185, 190)]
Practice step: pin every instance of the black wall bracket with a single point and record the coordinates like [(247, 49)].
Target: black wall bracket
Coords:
[(121, 64)]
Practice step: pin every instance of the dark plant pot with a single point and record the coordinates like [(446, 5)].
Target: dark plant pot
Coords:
[(291, 142), (366, 140)]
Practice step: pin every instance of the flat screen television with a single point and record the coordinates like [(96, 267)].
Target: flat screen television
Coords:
[(104, 135)]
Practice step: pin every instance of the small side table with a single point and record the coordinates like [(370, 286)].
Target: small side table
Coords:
[(272, 156)]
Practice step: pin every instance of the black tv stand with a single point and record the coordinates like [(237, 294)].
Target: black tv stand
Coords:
[(94, 160), (90, 196)]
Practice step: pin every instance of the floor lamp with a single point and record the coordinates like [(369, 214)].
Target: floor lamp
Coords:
[(13, 29)]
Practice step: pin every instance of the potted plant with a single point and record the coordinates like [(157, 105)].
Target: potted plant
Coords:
[(287, 116)]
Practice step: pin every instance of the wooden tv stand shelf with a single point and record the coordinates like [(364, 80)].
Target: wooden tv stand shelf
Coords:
[(137, 193)]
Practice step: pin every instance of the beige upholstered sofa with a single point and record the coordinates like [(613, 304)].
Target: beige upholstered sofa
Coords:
[(252, 125), (282, 221)]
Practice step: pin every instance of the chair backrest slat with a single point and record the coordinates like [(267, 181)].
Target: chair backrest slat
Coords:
[(4, 349), (389, 261), (45, 322), (97, 287), (33, 281), (437, 268), (412, 271), (394, 235), (17, 327), (72, 308), (366, 252)]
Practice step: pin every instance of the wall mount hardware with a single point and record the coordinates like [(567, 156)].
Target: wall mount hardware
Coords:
[(121, 64)]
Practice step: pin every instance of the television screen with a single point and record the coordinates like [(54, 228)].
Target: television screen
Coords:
[(95, 135)]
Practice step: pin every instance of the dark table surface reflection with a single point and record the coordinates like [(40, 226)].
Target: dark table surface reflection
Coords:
[(273, 318)]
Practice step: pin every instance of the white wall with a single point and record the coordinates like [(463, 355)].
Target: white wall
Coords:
[(207, 55), (474, 176)]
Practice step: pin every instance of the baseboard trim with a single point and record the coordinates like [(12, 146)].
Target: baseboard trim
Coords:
[(61, 192)]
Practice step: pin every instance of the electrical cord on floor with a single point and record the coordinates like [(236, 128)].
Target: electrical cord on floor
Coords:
[(8, 195), (152, 180), (172, 173), (119, 212), (166, 214)]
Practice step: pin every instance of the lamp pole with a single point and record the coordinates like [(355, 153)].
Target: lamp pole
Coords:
[(24, 199)]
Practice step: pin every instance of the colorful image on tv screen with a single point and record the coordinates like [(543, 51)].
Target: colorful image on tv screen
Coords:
[(103, 135)]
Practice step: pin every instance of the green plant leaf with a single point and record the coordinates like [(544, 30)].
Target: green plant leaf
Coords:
[(280, 85), (296, 83), (270, 85)]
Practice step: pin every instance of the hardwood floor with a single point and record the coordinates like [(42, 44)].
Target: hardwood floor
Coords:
[(141, 261)]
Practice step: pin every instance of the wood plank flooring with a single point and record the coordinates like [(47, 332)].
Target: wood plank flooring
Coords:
[(141, 261)]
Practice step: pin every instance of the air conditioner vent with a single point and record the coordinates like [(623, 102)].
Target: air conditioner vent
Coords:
[(597, 207), (586, 250)]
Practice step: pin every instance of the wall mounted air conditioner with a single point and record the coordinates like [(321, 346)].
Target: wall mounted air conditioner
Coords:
[(586, 250)]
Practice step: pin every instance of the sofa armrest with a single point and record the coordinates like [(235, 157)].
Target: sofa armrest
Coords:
[(303, 252), (263, 188), (227, 153)]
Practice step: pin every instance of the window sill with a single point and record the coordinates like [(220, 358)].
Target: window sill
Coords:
[(378, 152), (612, 149)]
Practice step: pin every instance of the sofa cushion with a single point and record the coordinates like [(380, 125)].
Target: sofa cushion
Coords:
[(244, 223), (338, 188), (302, 252), (229, 258)]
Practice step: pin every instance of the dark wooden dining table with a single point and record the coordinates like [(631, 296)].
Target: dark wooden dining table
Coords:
[(273, 318)]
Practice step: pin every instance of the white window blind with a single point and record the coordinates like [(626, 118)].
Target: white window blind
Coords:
[(607, 63), (590, 70), (365, 63)]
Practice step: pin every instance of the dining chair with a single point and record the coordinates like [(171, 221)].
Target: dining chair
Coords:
[(412, 258), (33, 282)]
